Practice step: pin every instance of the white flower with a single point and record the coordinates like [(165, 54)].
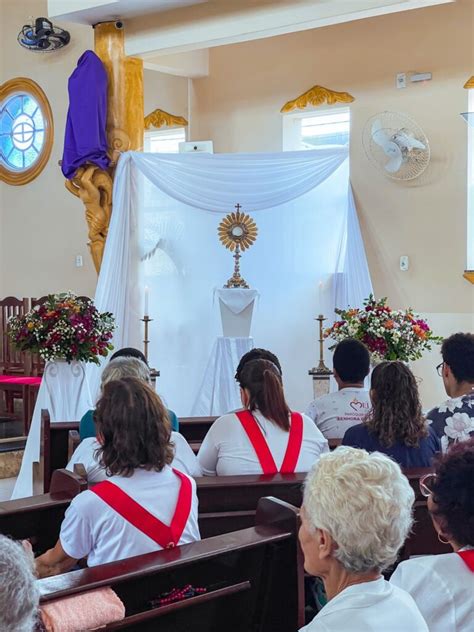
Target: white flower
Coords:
[(444, 443), (451, 404), (459, 426)]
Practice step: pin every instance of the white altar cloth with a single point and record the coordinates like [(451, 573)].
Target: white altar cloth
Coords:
[(65, 392), (219, 392), (236, 306)]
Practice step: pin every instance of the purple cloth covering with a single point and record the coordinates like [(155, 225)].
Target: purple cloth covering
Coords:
[(85, 139)]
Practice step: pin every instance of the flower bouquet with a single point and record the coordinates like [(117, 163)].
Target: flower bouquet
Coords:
[(64, 327), (388, 334)]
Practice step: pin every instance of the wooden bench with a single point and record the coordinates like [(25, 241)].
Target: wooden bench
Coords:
[(39, 518), (254, 580), (226, 503)]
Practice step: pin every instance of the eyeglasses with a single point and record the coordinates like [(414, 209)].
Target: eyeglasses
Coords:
[(439, 369), (426, 484)]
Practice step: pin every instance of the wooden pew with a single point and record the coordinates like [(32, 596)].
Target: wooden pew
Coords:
[(227, 503), (39, 518), (254, 580)]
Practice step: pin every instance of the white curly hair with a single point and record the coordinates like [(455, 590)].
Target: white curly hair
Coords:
[(364, 502), (125, 366), (19, 594)]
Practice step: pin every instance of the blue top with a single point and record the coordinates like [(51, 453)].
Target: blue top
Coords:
[(406, 456), (87, 425)]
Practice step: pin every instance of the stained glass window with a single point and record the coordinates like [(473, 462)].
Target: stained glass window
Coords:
[(22, 131), (26, 130)]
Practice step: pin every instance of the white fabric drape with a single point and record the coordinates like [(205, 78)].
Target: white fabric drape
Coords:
[(308, 257)]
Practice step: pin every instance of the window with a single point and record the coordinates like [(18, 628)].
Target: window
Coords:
[(309, 130), (164, 141), (26, 131)]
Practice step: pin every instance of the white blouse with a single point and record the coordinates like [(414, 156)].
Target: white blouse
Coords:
[(443, 589), (94, 530), (184, 458), (227, 451), (375, 606)]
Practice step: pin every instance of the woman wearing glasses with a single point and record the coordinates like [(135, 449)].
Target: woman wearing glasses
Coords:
[(443, 585), (395, 425)]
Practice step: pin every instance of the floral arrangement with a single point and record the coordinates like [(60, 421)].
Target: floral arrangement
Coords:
[(64, 327), (388, 334)]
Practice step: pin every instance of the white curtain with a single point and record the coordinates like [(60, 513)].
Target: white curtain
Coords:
[(308, 257)]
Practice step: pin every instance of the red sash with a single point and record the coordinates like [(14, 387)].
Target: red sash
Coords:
[(255, 435), (166, 536), (468, 558)]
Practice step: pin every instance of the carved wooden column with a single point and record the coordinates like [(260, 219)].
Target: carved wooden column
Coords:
[(125, 128)]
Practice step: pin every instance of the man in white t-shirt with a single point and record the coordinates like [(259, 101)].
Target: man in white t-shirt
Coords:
[(335, 412)]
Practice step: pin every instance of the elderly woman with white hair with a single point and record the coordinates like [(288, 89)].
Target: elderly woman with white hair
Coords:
[(357, 512), (19, 594)]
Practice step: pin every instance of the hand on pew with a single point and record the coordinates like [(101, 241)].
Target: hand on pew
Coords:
[(54, 562)]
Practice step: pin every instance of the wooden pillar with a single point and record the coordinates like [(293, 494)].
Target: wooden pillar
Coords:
[(125, 112), (125, 128)]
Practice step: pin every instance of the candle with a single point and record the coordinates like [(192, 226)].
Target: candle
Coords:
[(147, 296)]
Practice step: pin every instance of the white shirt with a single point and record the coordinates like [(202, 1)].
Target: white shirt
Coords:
[(227, 451), (184, 458), (94, 530), (375, 606), (335, 412), (443, 589)]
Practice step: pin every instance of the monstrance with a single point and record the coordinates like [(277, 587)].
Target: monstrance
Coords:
[(237, 232)]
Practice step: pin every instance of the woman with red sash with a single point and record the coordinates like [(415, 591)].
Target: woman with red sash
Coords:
[(443, 585), (144, 505), (265, 437)]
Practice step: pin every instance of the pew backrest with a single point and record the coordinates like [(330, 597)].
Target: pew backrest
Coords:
[(253, 577)]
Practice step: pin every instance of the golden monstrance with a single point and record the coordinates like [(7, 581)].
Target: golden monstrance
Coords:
[(237, 232)]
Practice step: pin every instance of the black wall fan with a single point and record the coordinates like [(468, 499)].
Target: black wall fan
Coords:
[(42, 36)]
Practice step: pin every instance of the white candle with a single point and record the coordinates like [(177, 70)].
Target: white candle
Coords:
[(147, 295)]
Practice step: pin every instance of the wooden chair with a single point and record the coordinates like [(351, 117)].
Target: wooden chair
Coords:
[(253, 577), (14, 365)]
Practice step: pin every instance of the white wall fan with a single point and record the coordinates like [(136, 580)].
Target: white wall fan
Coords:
[(397, 145)]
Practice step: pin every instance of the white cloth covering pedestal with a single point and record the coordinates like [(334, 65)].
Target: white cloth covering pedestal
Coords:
[(65, 393), (236, 307)]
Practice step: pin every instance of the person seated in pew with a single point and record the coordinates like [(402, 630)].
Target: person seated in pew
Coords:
[(265, 437), (144, 505), (257, 354), (443, 585), (453, 420), (19, 594), (118, 370), (335, 412), (87, 452), (356, 514), (395, 425)]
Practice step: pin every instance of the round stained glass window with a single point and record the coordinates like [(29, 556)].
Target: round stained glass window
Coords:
[(25, 131)]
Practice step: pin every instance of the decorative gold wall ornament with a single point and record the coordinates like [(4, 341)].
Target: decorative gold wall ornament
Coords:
[(317, 95), (237, 232), (159, 118), (469, 85)]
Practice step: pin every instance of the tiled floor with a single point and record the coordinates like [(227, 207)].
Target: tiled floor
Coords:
[(6, 488)]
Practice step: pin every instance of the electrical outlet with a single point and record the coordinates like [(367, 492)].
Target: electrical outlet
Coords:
[(79, 261), (404, 263), (401, 80)]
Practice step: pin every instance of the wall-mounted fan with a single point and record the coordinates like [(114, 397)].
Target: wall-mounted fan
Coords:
[(42, 36), (397, 145)]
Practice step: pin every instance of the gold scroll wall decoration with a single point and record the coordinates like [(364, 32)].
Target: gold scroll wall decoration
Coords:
[(317, 95), (469, 85), (159, 118)]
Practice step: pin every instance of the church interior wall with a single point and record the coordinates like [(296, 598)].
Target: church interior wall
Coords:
[(238, 107)]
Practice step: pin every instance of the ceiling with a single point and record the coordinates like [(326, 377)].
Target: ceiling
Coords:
[(93, 11)]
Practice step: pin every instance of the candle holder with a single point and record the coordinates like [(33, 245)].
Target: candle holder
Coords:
[(146, 320), (321, 373)]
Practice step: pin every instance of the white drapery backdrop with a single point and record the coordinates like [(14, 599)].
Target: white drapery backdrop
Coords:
[(308, 258)]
